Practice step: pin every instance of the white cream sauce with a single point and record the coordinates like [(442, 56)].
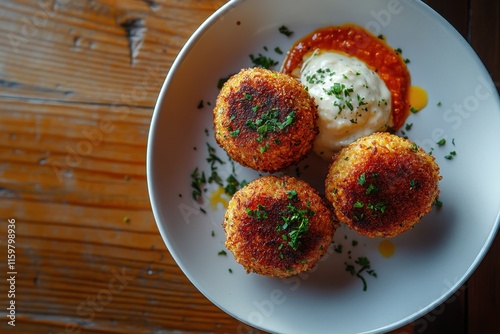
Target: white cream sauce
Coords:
[(353, 101)]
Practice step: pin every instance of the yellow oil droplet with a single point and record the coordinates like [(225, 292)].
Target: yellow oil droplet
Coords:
[(418, 97), (386, 248), (219, 196)]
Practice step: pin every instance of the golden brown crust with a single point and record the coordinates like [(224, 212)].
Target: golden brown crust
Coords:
[(382, 184), (256, 230), (265, 120)]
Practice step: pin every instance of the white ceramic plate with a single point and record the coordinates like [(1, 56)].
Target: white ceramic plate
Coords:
[(430, 263)]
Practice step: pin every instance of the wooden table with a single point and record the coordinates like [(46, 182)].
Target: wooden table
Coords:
[(78, 82)]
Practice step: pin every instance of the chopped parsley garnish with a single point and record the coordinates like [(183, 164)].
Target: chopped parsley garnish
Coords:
[(259, 213), (222, 81), (362, 264), (362, 179), (233, 185), (441, 142), (451, 155), (222, 252), (337, 248), (380, 206), (339, 90), (370, 187), (349, 105), (292, 194), (235, 133), (382, 101), (264, 148), (213, 159), (296, 223), (413, 148), (268, 122), (285, 31), (263, 61), (199, 179)]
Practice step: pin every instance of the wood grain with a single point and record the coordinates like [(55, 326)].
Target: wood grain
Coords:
[(484, 34), (82, 52), (75, 111), (480, 296), (73, 132)]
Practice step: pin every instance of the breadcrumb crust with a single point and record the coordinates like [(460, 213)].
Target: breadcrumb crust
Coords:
[(261, 245), (265, 120), (382, 184)]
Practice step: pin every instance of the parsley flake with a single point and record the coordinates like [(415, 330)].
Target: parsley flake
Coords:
[(364, 266), (285, 31), (263, 61), (259, 213), (296, 221)]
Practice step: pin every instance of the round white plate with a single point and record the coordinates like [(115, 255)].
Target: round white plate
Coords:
[(430, 263)]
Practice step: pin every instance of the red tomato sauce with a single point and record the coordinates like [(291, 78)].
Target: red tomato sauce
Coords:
[(358, 42)]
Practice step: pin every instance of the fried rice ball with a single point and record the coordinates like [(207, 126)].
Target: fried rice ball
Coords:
[(381, 185), (265, 119), (278, 226)]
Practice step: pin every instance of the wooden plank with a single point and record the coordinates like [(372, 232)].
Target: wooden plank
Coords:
[(451, 315), (475, 21), (82, 51), (60, 274), (480, 296), (485, 35), (484, 293), (456, 14), (464, 310), (106, 293), (74, 154), (71, 217), (66, 80)]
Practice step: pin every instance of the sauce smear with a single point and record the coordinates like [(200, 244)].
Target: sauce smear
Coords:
[(386, 248), (418, 98), (219, 197), (358, 42)]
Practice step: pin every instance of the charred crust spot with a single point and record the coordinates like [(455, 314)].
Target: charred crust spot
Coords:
[(383, 189), (261, 244), (256, 97)]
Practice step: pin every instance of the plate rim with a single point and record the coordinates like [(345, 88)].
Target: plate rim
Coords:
[(179, 59)]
